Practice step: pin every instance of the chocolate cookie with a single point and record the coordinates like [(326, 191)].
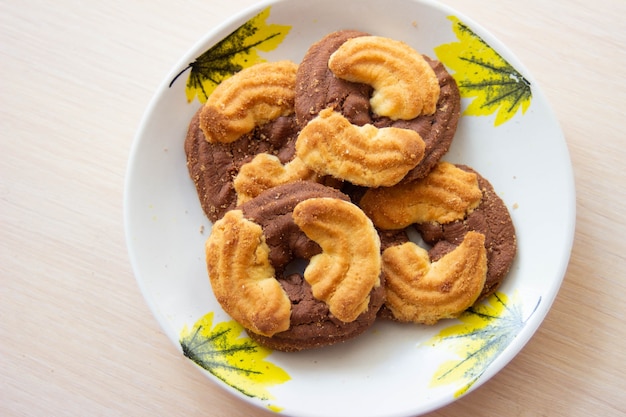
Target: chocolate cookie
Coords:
[(318, 88), (214, 166), (492, 219), (281, 214)]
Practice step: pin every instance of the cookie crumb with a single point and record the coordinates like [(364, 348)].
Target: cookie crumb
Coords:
[(201, 229)]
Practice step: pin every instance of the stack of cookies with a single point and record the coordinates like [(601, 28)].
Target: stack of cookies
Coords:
[(312, 173)]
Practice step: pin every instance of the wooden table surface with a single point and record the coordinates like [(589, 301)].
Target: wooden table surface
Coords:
[(77, 337)]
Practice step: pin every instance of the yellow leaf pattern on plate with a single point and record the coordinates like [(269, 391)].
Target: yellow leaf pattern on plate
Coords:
[(485, 331), (235, 52), (484, 76), (238, 361)]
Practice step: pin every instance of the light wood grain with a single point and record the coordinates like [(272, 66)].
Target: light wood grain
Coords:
[(76, 336)]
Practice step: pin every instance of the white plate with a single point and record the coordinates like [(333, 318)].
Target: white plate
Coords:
[(393, 369)]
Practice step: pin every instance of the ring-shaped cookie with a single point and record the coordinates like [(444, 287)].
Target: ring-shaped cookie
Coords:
[(249, 258), (491, 218), (454, 188), (317, 88), (213, 167), (242, 141)]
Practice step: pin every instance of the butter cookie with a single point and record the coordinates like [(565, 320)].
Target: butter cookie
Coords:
[(214, 167), (251, 255), (472, 238), (319, 88), (363, 155), (242, 140), (491, 218)]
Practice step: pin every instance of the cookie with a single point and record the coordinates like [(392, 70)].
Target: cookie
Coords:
[(491, 218), (242, 140), (318, 88), (213, 167), (252, 97), (446, 194), (420, 289), (362, 155), (472, 238), (250, 258)]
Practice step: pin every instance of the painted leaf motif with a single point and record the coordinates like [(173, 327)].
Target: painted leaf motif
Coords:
[(238, 361), (237, 51), (484, 76), (485, 331)]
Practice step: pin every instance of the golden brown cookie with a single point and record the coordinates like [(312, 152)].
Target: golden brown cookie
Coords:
[(213, 167), (421, 291), (252, 97), (405, 86), (491, 218), (344, 274), (250, 259), (446, 194), (242, 141), (318, 88), (242, 277), (454, 208), (363, 155)]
